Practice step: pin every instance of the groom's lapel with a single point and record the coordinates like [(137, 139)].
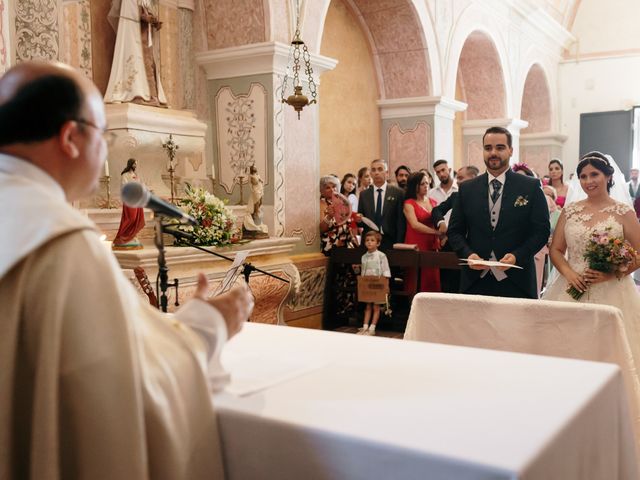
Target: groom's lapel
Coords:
[(508, 196), (483, 189)]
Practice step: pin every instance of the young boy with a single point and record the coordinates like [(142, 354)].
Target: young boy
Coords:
[(374, 263)]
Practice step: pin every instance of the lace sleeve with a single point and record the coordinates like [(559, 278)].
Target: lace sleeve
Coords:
[(572, 209), (619, 209)]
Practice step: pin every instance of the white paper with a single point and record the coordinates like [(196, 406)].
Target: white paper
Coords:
[(487, 263), (230, 277), (370, 224)]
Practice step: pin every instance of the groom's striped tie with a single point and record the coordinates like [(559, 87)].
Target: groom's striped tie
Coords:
[(497, 186)]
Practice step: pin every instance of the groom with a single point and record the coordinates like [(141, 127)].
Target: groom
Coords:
[(502, 216)]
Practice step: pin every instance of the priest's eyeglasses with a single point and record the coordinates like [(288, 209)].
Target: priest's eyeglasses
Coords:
[(109, 136)]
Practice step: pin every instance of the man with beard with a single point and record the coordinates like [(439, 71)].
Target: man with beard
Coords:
[(447, 184), (402, 175), (499, 215)]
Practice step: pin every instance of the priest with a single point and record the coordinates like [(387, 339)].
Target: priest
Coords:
[(94, 382)]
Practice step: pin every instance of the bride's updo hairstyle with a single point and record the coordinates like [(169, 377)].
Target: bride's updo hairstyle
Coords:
[(600, 162)]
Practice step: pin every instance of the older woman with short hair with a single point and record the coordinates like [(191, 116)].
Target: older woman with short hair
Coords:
[(332, 234)]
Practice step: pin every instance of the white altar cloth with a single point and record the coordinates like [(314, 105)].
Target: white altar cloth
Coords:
[(386, 409), (541, 327)]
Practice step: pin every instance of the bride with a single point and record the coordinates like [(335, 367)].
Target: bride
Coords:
[(597, 213)]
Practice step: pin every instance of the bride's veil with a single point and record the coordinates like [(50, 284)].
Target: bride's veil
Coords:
[(618, 192)]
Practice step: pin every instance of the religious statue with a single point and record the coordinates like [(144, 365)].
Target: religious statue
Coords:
[(134, 72), (252, 226), (132, 220)]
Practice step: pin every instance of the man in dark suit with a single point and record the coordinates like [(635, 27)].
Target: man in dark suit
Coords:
[(382, 204), (450, 279), (502, 216)]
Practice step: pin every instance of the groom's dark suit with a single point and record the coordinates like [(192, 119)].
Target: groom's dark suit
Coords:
[(393, 221), (522, 229)]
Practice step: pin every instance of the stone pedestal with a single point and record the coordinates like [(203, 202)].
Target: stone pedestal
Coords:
[(140, 132), (418, 131)]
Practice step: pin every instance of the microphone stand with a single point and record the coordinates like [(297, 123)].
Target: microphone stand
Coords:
[(247, 268), (163, 269)]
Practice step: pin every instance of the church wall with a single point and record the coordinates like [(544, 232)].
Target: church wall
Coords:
[(349, 118), (408, 141), (601, 68), (605, 28), (597, 85), (4, 36)]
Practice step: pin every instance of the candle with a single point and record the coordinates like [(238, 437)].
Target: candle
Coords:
[(106, 168)]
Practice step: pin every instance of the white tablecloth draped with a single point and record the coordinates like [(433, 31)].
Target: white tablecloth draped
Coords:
[(386, 409), (560, 329)]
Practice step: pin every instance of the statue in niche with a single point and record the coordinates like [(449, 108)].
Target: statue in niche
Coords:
[(134, 72), (132, 219), (252, 226)]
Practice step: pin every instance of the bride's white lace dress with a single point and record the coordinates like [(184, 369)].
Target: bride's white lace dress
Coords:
[(578, 229)]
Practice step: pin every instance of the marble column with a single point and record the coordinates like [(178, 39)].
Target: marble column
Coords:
[(473, 130), (537, 149), (169, 52), (250, 126), (418, 131)]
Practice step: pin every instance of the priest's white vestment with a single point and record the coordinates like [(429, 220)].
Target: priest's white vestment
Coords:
[(94, 383)]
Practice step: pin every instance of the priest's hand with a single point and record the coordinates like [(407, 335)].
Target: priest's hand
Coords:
[(235, 305)]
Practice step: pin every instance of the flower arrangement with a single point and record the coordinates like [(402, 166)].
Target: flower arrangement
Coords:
[(606, 253), (215, 221), (521, 201)]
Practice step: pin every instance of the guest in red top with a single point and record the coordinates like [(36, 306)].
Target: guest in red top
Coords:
[(420, 230)]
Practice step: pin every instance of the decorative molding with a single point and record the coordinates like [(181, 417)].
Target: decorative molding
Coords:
[(278, 165), (186, 58), (3, 39), (148, 257), (419, 107), (36, 27), (153, 119), (543, 139), (187, 4), (241, 122), (76, 35), (256, 59), (310, 294), (169, 3), (605, 55), (543, 22)]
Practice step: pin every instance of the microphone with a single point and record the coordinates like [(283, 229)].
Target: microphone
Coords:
[(136, 195)]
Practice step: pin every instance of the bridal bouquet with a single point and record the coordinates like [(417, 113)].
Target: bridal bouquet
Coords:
[(606, 253), (215, 221)]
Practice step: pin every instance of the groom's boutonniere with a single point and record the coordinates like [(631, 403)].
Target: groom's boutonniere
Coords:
[(521, 201), (391, 199)]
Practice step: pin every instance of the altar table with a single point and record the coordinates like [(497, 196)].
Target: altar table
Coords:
[(379, 408)]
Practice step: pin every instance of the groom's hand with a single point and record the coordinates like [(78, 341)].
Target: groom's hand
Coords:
[(474, 256), (509, 258)]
